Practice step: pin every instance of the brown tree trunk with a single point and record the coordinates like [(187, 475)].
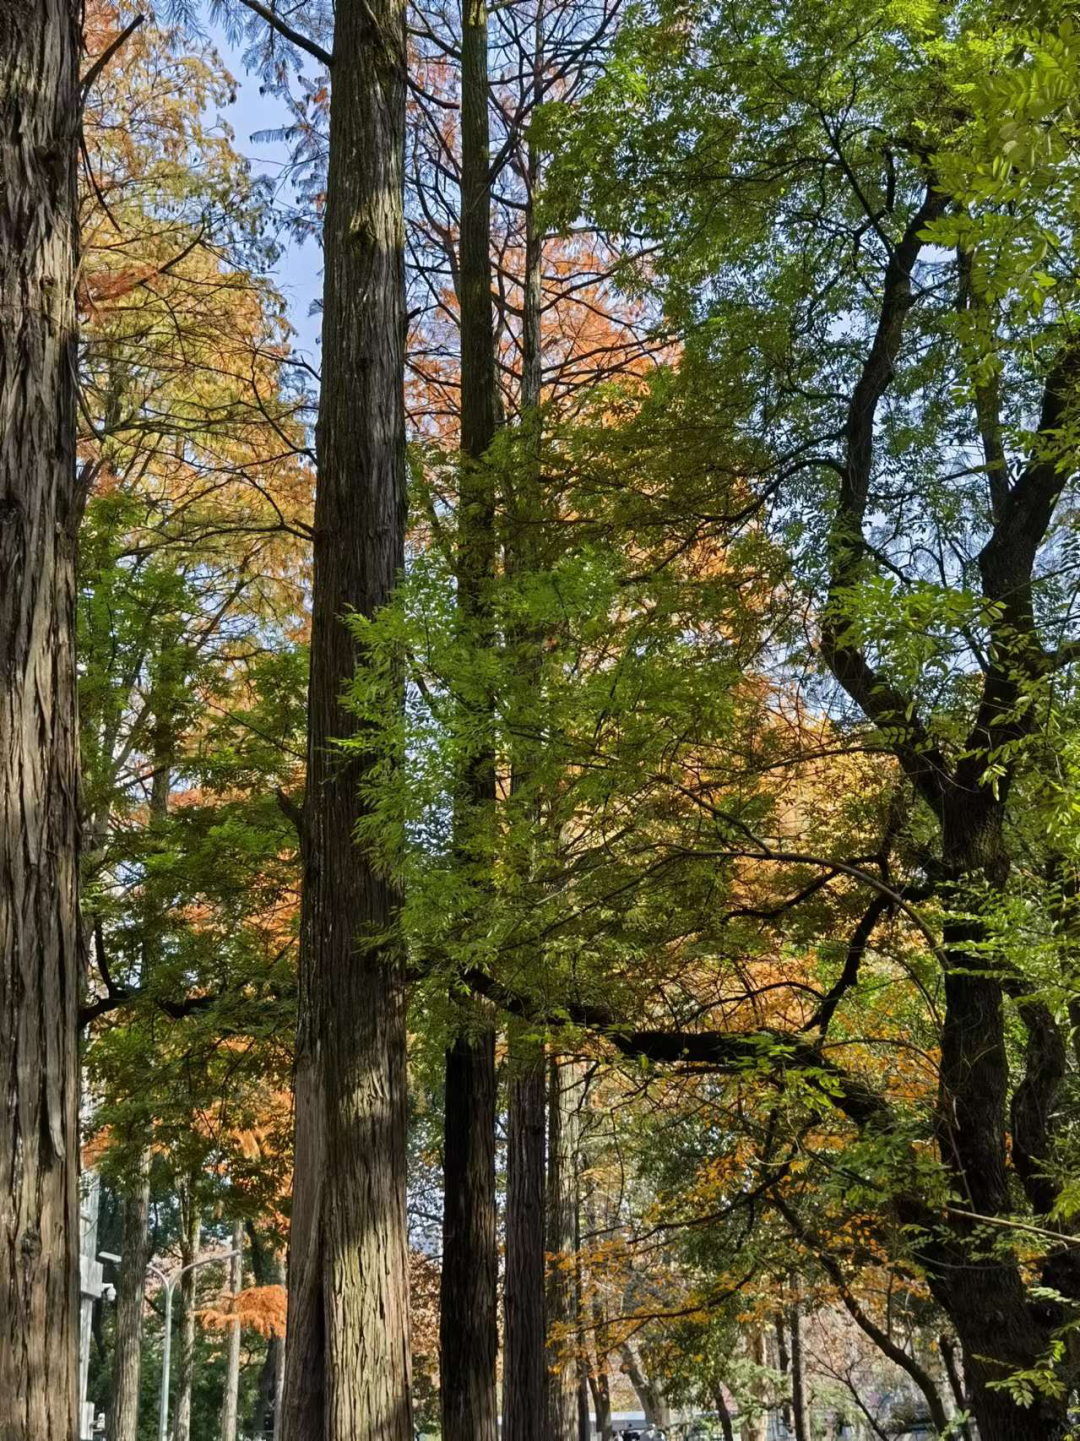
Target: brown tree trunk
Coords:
[(347, 1373), (468, 1332), (185, 1370), (467, 1320), (600, 1387), (563, 1304), (40, 507), (524, 1319), (130, 1306), (800, 1411), (229, 1404), (724, 1415)]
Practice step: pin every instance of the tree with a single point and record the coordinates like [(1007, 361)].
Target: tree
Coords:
[(347, 1359), (42, 498)]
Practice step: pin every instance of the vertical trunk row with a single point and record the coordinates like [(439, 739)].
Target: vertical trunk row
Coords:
[(39, 514), (468, 1333), (347, 1361), (130, 1305), (524, 1324), (564, 1097)]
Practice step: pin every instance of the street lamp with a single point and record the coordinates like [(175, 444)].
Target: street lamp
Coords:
[(169, 1286)]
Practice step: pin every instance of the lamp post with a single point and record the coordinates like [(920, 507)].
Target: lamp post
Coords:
[(168, 1287)]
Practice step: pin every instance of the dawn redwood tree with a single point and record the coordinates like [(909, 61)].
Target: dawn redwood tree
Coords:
[(40, 507), (347, 1355), (468, 1319)]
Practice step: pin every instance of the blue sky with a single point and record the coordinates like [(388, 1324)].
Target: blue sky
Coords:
[(299, 275)]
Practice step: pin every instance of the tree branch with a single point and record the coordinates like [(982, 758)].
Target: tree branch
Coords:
[(294, 37)]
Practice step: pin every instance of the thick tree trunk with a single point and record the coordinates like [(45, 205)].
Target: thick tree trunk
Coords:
[(347, 1359), (468, 1321), (524, 1320), (468, 1334), (130, 1306), (564, 1098), (232, 1367), (783, 1365), (40, 507), (185, 1370)]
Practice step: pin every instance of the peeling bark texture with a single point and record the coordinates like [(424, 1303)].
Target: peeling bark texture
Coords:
[(347, 1370), (524, 1319), (39, 515), (130, 1305), (564, 1099)]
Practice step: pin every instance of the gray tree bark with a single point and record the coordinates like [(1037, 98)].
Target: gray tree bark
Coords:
[(40, 508), (130, 1306)]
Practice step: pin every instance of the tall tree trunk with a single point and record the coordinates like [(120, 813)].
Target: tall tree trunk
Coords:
[(563, 1304), (467, 1320), (524, 1320), (185, 1370), (40, 507), (231, 1397), (130, 1306), (347, 1373), (800, 1411), (468, 1333)]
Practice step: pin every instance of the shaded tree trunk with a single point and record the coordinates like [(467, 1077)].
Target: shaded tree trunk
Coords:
[(721, 1405), (800, 1408), (467, 1320), (524, 1320), (40, 508), (783, 1365), (468, 1330), (232, 1367), (754, 1426), (130, 1307), (347, 1368), (185, 1370)]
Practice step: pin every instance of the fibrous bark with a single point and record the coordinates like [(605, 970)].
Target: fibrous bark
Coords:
[(130, 1306), (347, 1358), (40, 506)]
